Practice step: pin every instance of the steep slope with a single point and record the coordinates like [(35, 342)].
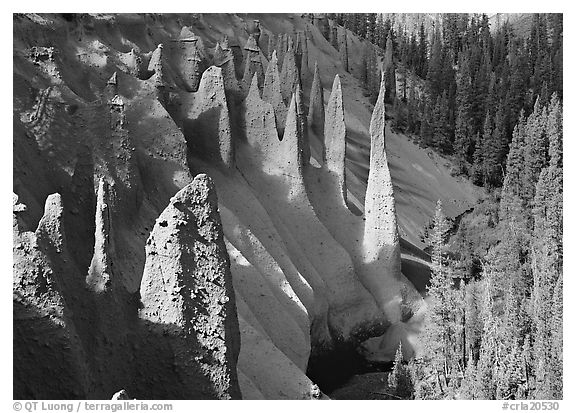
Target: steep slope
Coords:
[(119, 114)]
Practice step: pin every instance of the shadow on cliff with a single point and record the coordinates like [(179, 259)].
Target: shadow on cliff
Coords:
[(50, 364)]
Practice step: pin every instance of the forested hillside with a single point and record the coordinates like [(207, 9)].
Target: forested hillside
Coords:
[(491, 100), (479, 80)]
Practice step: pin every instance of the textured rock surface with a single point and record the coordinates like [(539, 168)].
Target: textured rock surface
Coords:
[(381, 240), (187, 58), (306, 281), (335, 138), (316, 108), (290, 75), (48, 357), (252, 63), (272, 93), (100, 273), (207, 120), (187, 292)]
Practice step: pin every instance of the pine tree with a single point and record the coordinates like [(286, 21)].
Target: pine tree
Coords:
[(463, 133), (399, 380), (513, 193), (487, 367), (441, 334), (536, 149)]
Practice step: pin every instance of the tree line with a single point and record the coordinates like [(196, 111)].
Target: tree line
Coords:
[(494, 328), (465, 85)]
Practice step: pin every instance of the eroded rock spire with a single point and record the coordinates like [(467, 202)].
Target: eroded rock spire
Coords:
[(210, 136), (224, 59), (187, 293), (289, 77), (381, 240), (272, 92), (334, 152), (156, 65), (100, 274), (316, 108), (291, 153), (187, 57)]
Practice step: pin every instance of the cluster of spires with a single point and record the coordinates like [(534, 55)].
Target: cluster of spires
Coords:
[(281, 110), (278, 95)]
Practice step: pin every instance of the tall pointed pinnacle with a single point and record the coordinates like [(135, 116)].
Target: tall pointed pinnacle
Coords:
[(301, 121), (316, 109), (252, 62), (290, 75), (100, 274), (381, 240), (292, 143), (334, 153), (219, 55), (253, 92), (212, 135), (187, 293), (223, 59), (272, 92), (156, 65)]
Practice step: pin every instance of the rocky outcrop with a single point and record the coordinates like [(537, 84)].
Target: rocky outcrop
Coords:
[(133, 64), (207, 120), (49, 361), (334, 152), (159, 79), (187, 293), (316, 108), (50, 231), (272, 93)]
